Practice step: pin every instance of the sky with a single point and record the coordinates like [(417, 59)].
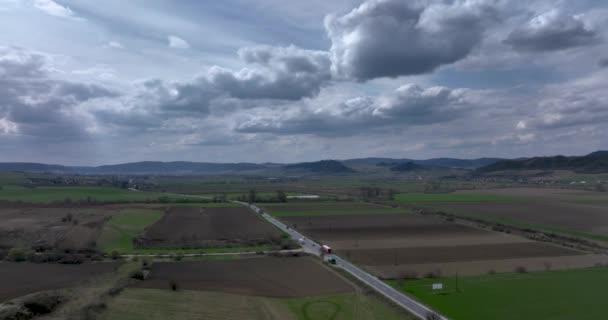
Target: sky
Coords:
[(84, 82)]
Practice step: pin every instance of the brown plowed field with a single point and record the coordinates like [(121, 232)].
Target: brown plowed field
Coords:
[(341, 207), (18, 279), (376, 226), (265, 276), (550, 213), (389, 245), (26, 226), (485, 266), (373, 257), (200, 227)]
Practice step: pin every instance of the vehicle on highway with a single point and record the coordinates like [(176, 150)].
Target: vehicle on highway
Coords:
[(325, 249)]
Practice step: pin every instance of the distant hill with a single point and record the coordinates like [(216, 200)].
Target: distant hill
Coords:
[(176, 167), (434, 162), (323, 166), (32, 167), (406, 167), (592, 163)]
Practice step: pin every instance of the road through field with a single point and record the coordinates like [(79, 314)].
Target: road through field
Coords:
[(312, 247)]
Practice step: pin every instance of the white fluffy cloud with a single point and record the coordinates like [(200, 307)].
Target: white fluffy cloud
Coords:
[(287, 73), (177, 42), (552, 30), (390, 38), (53, 8), (408, 105)]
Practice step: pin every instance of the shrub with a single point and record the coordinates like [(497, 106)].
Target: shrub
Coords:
[(432, 316), (137, 274), (115, 255), (521, 269), (17, 254), (433, 274)]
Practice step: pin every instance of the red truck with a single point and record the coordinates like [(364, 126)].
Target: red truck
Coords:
[(325, 249)]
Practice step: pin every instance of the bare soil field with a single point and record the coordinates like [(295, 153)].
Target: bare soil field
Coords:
[(377, 227), (18, 279), (390, 245), (201, 227), (264, 276), (321, 207), (61, 228), (570, 216), (478, 267), (385, 256)]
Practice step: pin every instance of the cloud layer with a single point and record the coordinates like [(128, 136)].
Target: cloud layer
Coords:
[(264, 82)]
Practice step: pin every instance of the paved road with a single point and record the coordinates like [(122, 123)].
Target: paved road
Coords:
[(310, 246)]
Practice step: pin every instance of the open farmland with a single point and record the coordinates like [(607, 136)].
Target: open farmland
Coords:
[(392, 245), (327, 208), (555, 295), (273, 277), (264, 288), (123, 227), (62, 228), (76, 194), (576, 212), (19, 279), (189, 227)]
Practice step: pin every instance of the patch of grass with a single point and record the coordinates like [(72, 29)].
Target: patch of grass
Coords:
[(557, 295), (336, 212), (153, 304), (60, 194), (119, 232), (453, 197), (341, 307), (136, 303)]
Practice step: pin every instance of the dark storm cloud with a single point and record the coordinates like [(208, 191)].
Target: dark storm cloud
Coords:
[(409, 105), (551, 31), (286, 73), (391, 38)]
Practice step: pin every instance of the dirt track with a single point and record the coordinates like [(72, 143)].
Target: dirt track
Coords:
[(199, 227), (265, 276), (18, 279)]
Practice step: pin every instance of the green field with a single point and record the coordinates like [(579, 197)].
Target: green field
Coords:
[(61, 194), (336, 212), (160, 304), (556, 295), (118, 233), (452, 197)]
